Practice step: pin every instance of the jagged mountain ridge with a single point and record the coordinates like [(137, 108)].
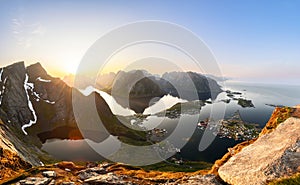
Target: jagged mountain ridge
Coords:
[(39, 104), (14, 104), (141, 87)]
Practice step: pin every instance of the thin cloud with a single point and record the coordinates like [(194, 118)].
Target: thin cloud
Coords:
[(40, 30), (25, 34)]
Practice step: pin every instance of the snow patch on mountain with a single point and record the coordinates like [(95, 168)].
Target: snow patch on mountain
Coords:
[(29, 86), (51, 102), (43, 80), (1, 71), (38, 98), (3, 89)]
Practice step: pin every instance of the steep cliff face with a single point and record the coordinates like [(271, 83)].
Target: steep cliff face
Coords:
[(17, 113), (51, 99), (35, 104), (135, 90), (17, 154), (13, 97), (34, 101), (27, 93), (142, 87), (185, 82)]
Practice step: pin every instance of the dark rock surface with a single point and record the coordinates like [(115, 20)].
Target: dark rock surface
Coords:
[(37, 104), (52, 100), (13, 96), (188, 83), (135, 90), (138, 89), (245, 103)]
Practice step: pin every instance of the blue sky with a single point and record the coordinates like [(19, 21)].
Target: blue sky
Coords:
[(252, 40)]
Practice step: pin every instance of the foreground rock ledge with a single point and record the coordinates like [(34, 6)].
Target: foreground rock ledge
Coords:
[(272, 156)]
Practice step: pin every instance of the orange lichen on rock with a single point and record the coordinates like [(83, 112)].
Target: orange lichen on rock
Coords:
[(279, 115), (11, 164), (142, 174), (69, 165)]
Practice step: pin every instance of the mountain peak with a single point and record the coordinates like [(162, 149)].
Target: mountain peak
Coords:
[(16, 64), (16, 68), (36, 70)]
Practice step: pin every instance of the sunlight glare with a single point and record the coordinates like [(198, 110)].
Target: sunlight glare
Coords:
[(70, 67)]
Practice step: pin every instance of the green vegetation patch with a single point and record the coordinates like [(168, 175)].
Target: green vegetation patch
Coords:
[(294, 180), (187, 166)]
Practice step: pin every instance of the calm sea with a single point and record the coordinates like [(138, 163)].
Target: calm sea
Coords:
[(260, 94)]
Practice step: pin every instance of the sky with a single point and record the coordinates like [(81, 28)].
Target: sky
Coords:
[(252, 40)]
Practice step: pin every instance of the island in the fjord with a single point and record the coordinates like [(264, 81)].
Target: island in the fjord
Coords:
[(241, 101), (35, 107)]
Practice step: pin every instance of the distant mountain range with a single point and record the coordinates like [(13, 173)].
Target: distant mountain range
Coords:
[(138, 88)]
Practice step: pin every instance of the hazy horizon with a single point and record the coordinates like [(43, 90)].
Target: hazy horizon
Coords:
[(252, 41)]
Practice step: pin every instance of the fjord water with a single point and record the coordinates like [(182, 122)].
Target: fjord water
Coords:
[(260, 94)]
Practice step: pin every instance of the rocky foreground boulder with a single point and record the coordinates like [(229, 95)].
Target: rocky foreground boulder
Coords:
[(273, 155), (109, 173)]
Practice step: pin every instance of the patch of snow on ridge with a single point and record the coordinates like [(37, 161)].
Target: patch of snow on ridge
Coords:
[(38, 98), (43, 80), (1, 74), (3, 89), (51, 102), (27, 86)]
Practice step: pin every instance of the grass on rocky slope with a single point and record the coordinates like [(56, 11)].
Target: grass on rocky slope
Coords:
[(188, 166), (279, 115), (294, 180)]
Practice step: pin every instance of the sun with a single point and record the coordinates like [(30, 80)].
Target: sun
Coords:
[(70, 67), (69, 61)]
